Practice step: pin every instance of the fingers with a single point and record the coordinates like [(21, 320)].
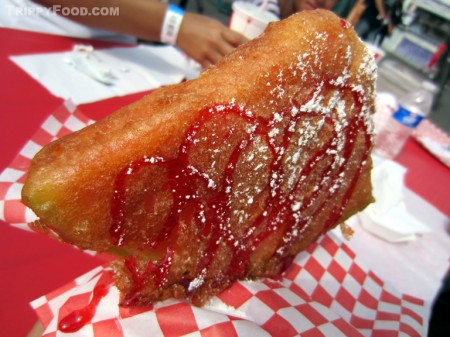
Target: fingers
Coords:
[(233, 38), (224, 48), (211, 58), (229, 40), (213, 50), (223, 41), (206, 40)]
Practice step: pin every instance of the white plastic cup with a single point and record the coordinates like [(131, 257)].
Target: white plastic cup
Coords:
[(249, 20)]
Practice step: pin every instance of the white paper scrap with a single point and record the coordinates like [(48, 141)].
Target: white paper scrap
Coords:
[(129, 70)]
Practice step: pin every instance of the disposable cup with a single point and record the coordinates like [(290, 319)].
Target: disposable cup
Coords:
[(249, 19)]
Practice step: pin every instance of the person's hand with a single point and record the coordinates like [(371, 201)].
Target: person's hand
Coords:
[(206, 40)]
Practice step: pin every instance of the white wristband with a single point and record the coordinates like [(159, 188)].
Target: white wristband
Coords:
[(171, 24)]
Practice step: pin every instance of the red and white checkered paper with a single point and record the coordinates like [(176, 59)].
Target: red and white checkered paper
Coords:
[(327, 291)]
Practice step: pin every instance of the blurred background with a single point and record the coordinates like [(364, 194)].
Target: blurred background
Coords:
[(414, 41)]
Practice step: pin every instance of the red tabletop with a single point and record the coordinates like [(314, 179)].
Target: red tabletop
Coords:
[(28, 259)]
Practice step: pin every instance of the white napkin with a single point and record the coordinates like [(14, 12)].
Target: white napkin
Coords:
[(388, 217), (127, 70)]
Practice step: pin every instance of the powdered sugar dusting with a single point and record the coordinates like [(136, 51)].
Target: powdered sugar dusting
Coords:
[(283, 159), (330, 99)]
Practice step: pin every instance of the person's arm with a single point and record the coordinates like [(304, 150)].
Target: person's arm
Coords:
[(287, 8), (355, 13), (381, 11), (383, 16), (202, 38), (139, 18)]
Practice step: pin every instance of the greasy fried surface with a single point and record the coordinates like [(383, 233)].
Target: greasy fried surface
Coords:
[(223, 177)]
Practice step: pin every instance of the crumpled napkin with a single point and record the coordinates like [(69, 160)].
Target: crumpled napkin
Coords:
[(86, 75), (388, 217)]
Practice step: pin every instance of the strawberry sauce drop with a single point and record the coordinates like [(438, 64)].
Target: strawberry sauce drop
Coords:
[(79, 318)]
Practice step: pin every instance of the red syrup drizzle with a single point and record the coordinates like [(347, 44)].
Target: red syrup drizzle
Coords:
[(216, 207), (352, 134), (79, 318), (158, 270), (345, 24)]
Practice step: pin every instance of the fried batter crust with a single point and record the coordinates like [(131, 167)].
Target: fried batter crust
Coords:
[(224, 177)]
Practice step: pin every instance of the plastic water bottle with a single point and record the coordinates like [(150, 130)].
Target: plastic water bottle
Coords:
[(412, 109)]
